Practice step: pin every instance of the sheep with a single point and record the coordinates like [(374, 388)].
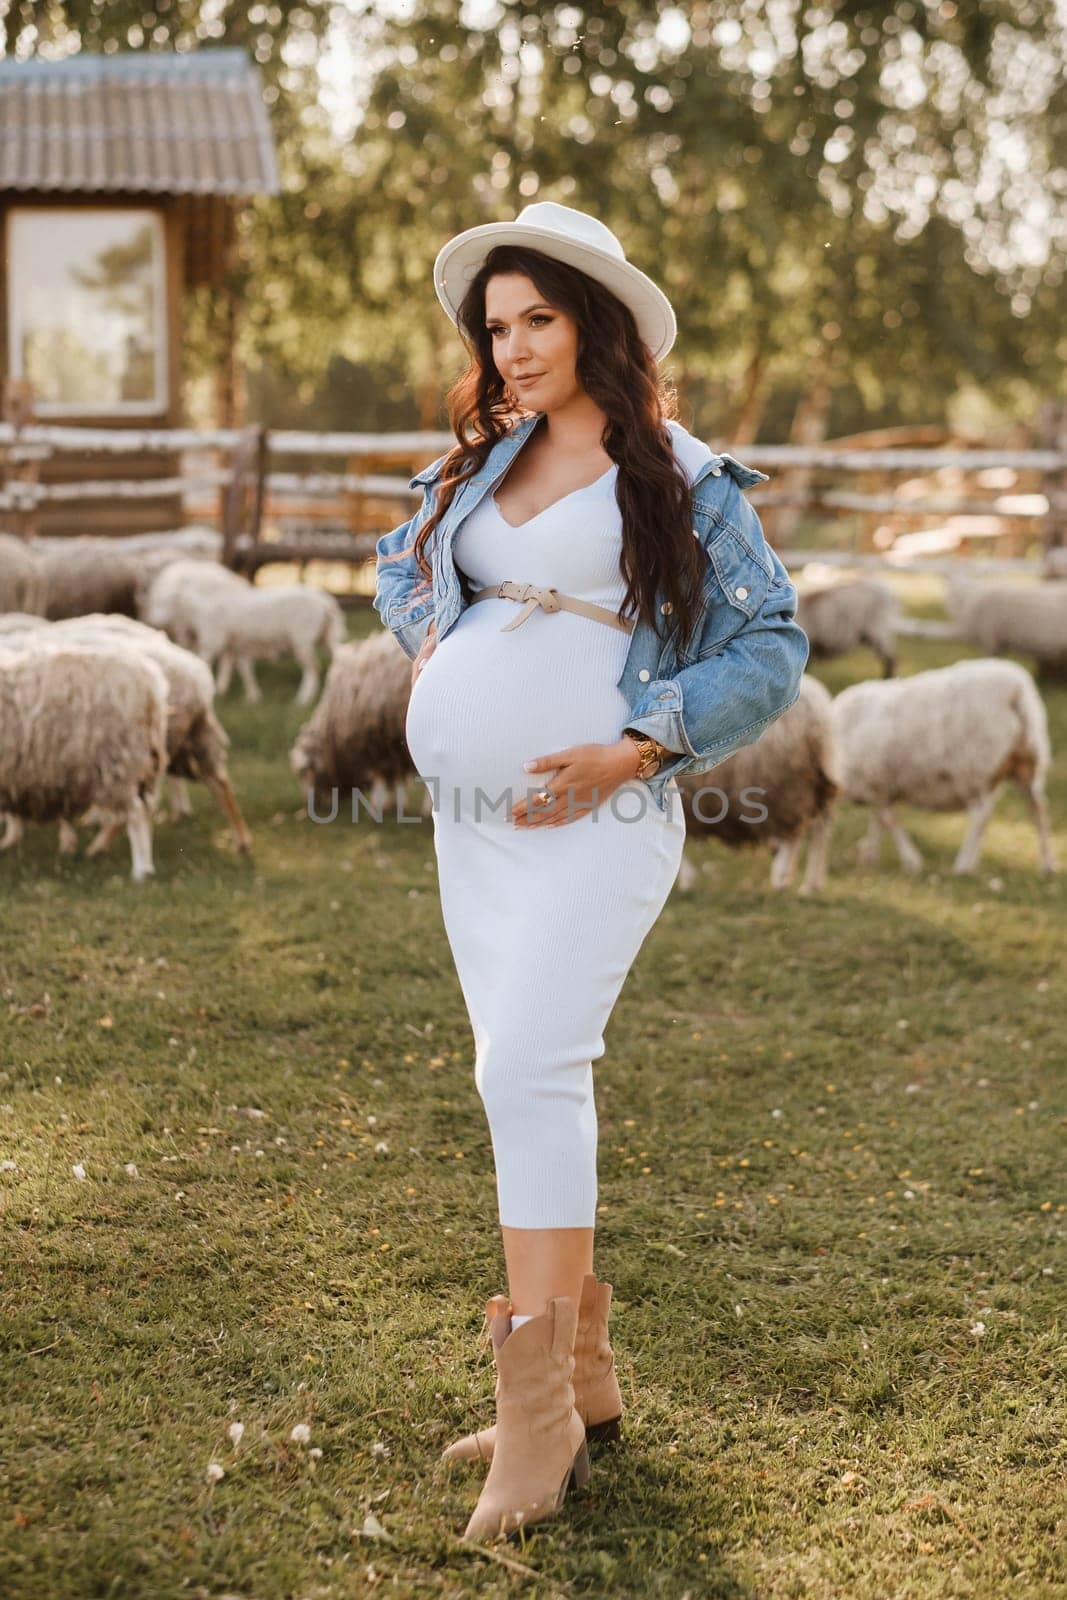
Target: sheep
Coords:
[(163, 604), (87, 574), (944, 739), (791, 774), (172, 597), (843, 616), (195, 539), (84, 726), (196, 741), (23, 584), (356, 739), (102, 574), (227, 620), (175, 589), (241, 626), (1002, 617), (150, 563)]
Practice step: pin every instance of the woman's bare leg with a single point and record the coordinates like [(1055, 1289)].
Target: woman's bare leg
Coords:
[(544, 1262)]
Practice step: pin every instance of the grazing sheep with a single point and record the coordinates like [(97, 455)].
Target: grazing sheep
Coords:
[(173, 597), (23, 584), (97, 573), (152, 560), (1000, 617), (844, 616), (80, 727), (355, 739), (242, 626), (197, 744), (791, 775), (150, 564), (946, 739), (195, 539), (87, 574)]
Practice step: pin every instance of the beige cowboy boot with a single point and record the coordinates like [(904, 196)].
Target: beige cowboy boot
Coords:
[(596, 1387), (540, 1448)]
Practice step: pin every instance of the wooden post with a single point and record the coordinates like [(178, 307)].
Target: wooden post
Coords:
[(245, 495), (259, 487), (232, 498), (1052, 435), (22, 464), (808, 428), (754, 394)]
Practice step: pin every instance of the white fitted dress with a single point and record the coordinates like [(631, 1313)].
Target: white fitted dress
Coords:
[(543, 923)]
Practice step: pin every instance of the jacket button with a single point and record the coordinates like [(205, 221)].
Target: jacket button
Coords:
[(644, 674), (716, 472), (741, 593), (666, 608)]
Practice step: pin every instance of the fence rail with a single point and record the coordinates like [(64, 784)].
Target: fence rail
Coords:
[(285, 441), (250, 487)]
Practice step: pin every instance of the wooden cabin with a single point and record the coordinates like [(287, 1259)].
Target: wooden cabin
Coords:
[(120, 181)]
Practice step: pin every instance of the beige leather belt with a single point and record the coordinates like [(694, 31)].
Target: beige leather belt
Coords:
[(533, 595)]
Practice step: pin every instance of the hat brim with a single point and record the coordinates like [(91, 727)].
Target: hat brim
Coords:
[(460, 259)]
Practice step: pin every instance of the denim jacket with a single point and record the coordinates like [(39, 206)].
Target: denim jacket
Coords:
[(743, 667)]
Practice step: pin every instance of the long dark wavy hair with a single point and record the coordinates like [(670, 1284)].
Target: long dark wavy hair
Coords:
[(660, 556)]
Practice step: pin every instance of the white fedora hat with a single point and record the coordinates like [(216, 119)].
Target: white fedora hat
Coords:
[(566, 235)]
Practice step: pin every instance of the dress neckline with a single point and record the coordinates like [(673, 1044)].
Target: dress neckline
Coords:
[(516, 527)]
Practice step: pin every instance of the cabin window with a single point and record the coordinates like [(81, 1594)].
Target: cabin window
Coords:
[(87, 309)]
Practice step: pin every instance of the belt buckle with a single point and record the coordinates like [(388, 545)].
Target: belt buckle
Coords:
[(523, 592)]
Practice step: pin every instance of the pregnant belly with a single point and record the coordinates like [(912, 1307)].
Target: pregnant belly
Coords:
[(487, 701)]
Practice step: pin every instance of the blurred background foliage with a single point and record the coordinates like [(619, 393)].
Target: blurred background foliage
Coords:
[(857, 210)]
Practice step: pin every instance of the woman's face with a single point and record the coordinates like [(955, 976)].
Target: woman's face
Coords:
[(531, 338)]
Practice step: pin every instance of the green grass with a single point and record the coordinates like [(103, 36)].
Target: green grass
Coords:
[(831, 1145)]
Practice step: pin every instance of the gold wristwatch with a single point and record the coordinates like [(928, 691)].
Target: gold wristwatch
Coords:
[(653, 754)]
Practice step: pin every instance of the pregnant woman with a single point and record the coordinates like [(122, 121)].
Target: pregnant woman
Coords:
[(573, 646)]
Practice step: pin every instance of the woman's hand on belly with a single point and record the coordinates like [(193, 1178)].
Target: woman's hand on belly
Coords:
[(583, 777)]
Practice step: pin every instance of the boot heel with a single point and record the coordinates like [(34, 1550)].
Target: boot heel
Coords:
[(607, 1432), (580, 1468)]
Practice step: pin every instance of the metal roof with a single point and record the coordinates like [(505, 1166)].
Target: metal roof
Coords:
[(142, 121)]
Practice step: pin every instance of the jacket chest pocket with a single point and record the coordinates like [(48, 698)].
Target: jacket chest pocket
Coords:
[(735, 587)]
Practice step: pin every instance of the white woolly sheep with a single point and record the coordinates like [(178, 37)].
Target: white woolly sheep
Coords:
[(242, 626), (197, 744), (948, 739), (355, 739), (152, 562), (844, 616), (84, 727), (287, 619), (173, 596), (999, 617), (23, 583), (778, 791)]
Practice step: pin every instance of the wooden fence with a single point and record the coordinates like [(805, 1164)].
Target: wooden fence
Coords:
[(310, 512)]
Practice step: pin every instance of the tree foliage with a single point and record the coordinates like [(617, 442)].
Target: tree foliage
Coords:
[(872, 193)]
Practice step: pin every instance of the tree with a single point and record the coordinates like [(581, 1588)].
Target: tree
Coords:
[(865, 198)]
